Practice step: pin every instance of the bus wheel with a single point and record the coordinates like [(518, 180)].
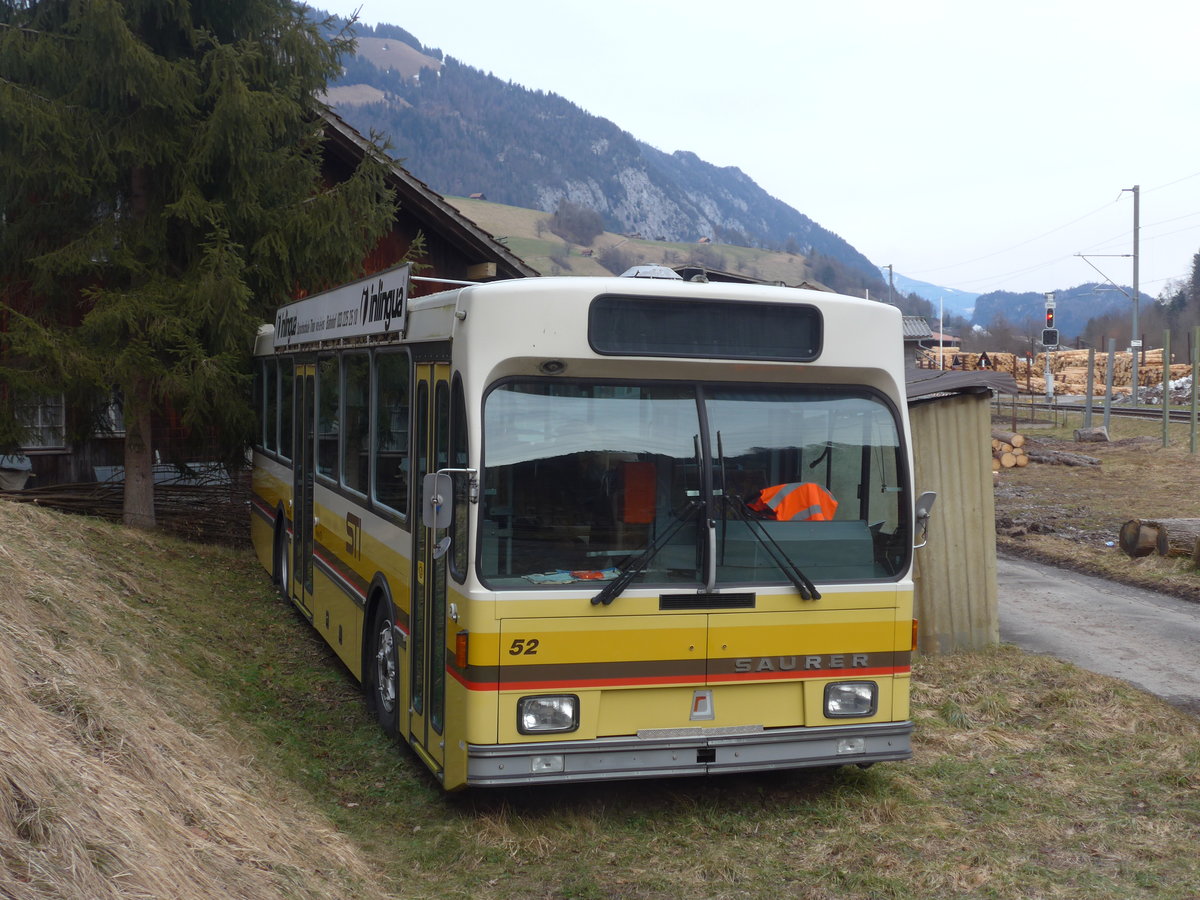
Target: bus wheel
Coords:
[(282, 558), (383, 682)]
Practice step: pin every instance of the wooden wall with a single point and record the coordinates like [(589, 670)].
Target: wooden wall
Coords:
[(955, 573)]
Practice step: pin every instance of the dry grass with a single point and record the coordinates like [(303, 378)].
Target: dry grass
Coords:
[(389, 53), (1067, 515), (357, 95), (116, 779)]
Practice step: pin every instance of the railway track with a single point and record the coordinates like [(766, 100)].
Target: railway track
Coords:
[(1132, 412), (1129, 412)]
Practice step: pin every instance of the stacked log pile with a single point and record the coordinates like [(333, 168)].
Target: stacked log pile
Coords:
[(1069, 367), (962, 359), (1008, 451)]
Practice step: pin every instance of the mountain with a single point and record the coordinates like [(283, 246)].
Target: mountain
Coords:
[(956, 302), (465, 132), (1074, 307)]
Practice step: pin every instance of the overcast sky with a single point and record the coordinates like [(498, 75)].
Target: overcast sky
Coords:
[(975, 146)]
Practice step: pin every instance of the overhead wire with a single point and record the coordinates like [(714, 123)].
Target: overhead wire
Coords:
[(1124, 235), (1014, 246), (1097, 245)]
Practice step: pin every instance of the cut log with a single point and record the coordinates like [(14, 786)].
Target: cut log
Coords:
[(1061, 458), (1008, 437), (1007, 459), (1091, 434), (1171, 537), (1138, 539), (1022, 460)]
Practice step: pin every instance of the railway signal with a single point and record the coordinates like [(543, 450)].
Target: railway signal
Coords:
[(1050, 342), (1050, 333)]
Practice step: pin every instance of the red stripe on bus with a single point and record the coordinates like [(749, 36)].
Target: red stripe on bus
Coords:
[(262, 507), (348, 578), (650, 681), (561, 684)]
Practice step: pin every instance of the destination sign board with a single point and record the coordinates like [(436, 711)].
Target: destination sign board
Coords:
[(377, 304)]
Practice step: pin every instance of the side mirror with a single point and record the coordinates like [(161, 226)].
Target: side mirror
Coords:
[(921, 513), (437, 492)]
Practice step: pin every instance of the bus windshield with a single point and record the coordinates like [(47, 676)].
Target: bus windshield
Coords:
[(580, 478)]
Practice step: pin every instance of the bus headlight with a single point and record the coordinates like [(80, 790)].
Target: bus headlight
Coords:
[(548, 714), (851, 699)]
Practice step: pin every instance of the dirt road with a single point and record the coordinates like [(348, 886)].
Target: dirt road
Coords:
[(1146, 638)]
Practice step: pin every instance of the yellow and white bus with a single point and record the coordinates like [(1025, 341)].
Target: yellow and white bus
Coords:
[(573, 529)]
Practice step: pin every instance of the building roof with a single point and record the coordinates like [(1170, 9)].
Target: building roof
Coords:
[(438, 218)]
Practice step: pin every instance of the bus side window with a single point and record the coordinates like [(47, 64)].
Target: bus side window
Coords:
[(286, 374), (264, 396), (328, 410), (271, 398), (391, 406), (356, 377)]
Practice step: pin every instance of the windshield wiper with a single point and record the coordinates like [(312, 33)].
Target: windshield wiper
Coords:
[(800, 581), (804, 586), (636, 566)]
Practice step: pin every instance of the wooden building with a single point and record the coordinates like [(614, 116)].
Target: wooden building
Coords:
[(917, 337), (455, 247)]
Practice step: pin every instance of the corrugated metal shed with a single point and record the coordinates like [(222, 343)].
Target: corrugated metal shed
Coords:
[(955, 573)]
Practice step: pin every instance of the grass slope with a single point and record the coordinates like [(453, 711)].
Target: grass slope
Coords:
[(170, 728), (118, 777)]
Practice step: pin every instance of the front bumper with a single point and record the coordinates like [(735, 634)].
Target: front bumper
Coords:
[(686, 751)]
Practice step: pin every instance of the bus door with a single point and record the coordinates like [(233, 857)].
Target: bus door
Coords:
[(301, 570), (431, 448)]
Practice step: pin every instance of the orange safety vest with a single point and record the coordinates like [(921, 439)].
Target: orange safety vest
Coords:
[(796, 502)]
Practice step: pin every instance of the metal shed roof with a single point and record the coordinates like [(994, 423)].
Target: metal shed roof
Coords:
[(928, 384), (916, 328)]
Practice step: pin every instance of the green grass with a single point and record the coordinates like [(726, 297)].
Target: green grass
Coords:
[(1085, 507)]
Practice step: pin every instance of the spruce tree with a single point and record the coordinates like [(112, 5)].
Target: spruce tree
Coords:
[(161, 193)]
